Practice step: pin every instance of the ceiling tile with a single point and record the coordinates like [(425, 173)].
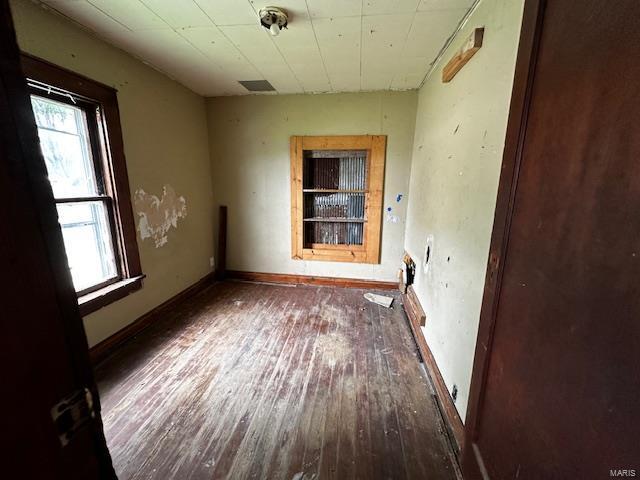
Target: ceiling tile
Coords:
[(207, 82), (163, 48), (383, 36), (280, 76), (300, 50), (379, 7), (86, 14), (170, 53), (219, 49), (334, 8), (407, 82), (131, 13), (410, 71), (426, 5), (254, 42), (430, 31), (229, 12), (179, 14), (339, 41), (373, 78), (383, 39)]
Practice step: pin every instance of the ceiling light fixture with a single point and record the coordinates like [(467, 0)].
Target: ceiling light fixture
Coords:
[(273, 19)]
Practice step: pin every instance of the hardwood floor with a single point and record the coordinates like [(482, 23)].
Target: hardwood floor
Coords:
[(265, 381)]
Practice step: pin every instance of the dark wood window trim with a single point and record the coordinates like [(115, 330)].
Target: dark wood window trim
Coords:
[(114, 171)]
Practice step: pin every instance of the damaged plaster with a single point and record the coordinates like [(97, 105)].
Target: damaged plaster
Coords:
[(156, 215)]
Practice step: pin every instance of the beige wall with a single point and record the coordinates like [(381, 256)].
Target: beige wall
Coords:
[(459, 139), (250, 158), (165, 141)]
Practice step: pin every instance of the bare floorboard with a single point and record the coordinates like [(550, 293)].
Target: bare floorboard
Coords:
[(261, 381)]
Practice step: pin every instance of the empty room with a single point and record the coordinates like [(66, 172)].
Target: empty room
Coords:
[(320, 239)]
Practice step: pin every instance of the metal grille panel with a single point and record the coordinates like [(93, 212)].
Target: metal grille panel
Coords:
[(334, 184)]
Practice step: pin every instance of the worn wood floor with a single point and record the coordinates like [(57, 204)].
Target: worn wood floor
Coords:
[(273, 382)]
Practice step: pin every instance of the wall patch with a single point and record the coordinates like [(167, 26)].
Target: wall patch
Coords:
[(156, 215), (392, 218)]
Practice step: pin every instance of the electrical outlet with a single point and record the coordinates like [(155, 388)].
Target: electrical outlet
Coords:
[(454, 393), (212, 262)]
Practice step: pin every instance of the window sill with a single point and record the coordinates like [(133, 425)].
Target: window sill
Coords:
[(93, 301)]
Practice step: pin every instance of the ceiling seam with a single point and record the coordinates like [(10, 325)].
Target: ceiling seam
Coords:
[(240, 52), (195, 2), (99, 36), (324, 65), (195, 47), (177, 32), (213, 24), (94, 6), (415, 13), (230, 41), (130, 29)]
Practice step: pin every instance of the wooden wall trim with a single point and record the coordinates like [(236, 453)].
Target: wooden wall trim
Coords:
[(415, 313), (413, 308), (311, 280), (103, 349)]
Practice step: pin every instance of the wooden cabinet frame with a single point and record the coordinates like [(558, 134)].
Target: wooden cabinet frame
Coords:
[(369, 251)]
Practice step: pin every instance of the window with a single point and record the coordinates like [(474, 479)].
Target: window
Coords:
[(81, 142), (336, 197)]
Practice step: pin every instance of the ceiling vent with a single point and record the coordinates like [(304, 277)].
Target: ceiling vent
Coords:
[(257, 85)]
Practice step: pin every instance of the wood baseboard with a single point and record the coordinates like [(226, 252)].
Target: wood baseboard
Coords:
[(413, 308), (100, 351), (415, 314), (311, 280)]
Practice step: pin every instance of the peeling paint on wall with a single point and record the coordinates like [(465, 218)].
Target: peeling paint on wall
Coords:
[(156, 215)]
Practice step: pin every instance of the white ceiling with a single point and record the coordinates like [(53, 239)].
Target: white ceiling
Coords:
[(330, 45)]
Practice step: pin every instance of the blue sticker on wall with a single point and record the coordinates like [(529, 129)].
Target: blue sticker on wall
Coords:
[(399, 197)]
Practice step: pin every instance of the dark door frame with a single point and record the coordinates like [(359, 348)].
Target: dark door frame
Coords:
[(472, 463)]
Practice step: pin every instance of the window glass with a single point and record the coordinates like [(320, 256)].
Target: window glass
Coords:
[(64, 140), (87, 240)]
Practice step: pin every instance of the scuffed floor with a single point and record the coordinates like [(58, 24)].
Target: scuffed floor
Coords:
[(273, 382)]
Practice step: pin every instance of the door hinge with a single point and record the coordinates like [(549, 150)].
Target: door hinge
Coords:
[(71, 413)]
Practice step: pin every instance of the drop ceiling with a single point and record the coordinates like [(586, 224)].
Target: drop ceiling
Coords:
[(330, 45)]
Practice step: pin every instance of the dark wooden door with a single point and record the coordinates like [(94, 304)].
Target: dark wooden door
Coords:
[(557, 392), (43, 350)]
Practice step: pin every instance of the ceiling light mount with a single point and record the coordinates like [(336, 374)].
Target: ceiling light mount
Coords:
[(273, 19)]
